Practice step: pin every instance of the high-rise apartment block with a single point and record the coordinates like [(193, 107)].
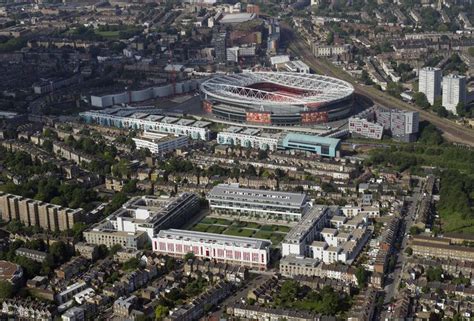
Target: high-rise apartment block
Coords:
[(430, 83), (372, 123), (454, 92), (36, 213)]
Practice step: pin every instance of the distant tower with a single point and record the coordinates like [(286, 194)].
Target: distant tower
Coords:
[(454, 92), (429, 83)]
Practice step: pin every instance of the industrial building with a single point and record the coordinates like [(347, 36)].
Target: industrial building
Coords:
[(235, 250), (136, 96), (232, 200), (147, 119)]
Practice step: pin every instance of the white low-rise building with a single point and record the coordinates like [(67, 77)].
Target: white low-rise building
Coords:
[(248, 138), (299, 238), (159, 143), (147, 120), (235, 250)]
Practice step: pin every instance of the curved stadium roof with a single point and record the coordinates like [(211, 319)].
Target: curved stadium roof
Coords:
[(276, 88)]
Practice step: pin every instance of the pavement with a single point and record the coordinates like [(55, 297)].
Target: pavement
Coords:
[(241, 293), (394, 278)]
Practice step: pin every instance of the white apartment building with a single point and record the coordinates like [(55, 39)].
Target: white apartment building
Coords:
[(429, 83), (235, 250), (339, 246), (147, 121), (454, 92), (328, 51), (362, 127), (159, 143), (248, 138), (299, 238), (232, 200), (139, 219)]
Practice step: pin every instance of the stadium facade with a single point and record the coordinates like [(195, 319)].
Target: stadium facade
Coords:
[(277, 98)]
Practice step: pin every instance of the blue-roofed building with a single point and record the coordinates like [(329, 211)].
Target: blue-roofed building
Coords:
[(323, 146)]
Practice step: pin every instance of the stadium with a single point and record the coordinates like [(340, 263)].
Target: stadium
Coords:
[(277, 98)]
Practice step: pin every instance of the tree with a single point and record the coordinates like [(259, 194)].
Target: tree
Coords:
[(442, 112), (161, 312), (461, 109), (330, 301), (415, 230), (330, 38), (434, 274), (394, 89), (131, 264), (102, 251), (6, 290), (60, 252), (288, 291), (421, 100), (362, 276), (409, 251), (189, 256), (471, 51)]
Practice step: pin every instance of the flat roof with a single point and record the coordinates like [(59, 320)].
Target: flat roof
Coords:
[(201, 124), (214, 238), (238, 17), (251, 131), (233, 191), (306, 223), (310, 139), (185, 122), (169, 120), (233, 129)]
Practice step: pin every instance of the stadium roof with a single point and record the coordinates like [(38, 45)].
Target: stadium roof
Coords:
[(296, 89)]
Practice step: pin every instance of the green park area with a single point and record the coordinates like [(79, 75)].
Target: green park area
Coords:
[(453, 164), (275, 233)]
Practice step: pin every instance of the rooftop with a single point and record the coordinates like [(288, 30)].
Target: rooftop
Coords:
[(309, 219), (310, 140), (233, 191), (215, 238), (238, 17)]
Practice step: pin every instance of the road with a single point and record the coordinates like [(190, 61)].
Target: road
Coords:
[(451, 130), (394, 278), (240, 293)]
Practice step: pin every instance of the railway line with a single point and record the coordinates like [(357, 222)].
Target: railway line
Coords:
[(451, 131)]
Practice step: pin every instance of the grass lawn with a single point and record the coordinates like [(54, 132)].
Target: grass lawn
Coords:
[(263, 235), (253, 225), (277, 238), (200, 227), (239, 232), (222, 221), (108, 34), (215, 229), (455, 223), (275, 228), (274, 233), (208, 220), (281, 228)]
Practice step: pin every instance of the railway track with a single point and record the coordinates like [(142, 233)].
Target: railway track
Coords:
[(451, 131)]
